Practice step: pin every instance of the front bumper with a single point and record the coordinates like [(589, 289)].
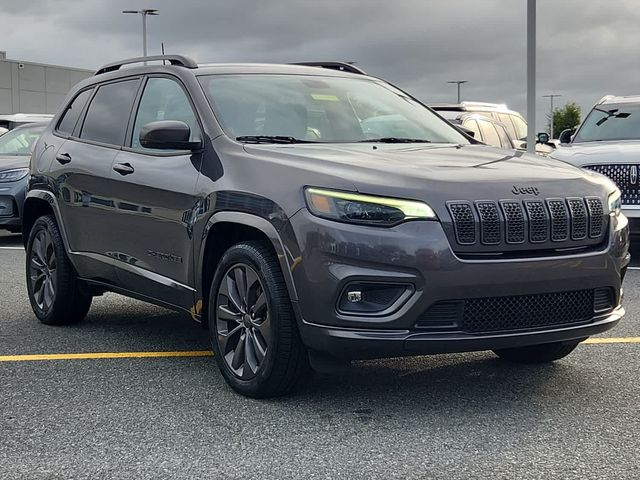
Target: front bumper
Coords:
[(332, 255), (12, 195)]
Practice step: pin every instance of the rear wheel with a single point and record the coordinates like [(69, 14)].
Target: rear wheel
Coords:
[(52, 285), (252, 326), (544, 353)]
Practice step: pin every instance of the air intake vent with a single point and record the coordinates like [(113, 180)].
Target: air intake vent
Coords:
[(490, 232), (578, 218), (464, 222), (538, 222), (514, 219), (596, 217), (603, 299), (559, 220)]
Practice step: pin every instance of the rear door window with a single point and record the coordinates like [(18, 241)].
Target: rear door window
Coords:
[(521, 126), (489, 133), (109, 111), (70, 117), (506, 120), (505, 141)]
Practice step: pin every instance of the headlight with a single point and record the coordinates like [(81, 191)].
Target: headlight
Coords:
[(13, 175), (615, 203), (365, 209)]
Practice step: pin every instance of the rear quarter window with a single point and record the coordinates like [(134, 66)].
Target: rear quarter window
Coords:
[(109, 111), (70, 117)]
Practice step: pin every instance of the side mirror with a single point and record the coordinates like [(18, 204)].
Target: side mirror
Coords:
[(168, 135), (543, 137), (565, 135)]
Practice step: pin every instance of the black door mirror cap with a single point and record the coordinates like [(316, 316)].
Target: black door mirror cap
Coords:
[(168, 135), (566, 136)]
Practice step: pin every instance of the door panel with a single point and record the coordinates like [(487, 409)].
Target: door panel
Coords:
[(86, 204), (155, 202), (154, 209)]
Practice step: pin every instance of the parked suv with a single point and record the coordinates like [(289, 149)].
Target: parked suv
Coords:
[(252, 197), (608, 142)]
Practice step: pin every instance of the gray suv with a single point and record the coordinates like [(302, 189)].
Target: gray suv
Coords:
[(309, 216)]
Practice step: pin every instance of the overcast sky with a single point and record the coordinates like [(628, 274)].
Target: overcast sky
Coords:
[(586, 49)]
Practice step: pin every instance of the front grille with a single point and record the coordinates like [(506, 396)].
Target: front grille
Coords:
[(522, 225), (464, 222), (518, 312), (625, 176)]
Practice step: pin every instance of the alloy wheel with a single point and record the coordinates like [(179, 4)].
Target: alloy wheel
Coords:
[(243, 323), (42, 270)]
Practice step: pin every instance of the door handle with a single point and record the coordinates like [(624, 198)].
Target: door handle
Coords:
[(63, 158), (123, 168)]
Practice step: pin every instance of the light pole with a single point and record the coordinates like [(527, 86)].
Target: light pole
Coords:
[(144, 12), (551, 97), (458, 82), (531, 76)]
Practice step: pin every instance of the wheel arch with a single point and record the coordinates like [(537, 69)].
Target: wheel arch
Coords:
[(225, 229), (36, 204)]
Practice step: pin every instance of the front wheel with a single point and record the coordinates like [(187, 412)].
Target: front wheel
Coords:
[(544, 353), (252, 325), (52, 285)]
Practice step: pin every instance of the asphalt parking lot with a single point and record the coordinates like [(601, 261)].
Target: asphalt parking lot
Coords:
[(449, 416)]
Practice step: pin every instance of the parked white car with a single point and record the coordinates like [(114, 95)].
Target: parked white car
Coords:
[(608, 142)]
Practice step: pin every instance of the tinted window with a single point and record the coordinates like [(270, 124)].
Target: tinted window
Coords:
[(504, 137), (506, 120), (521, 126), (70, 117), (108, 113), (164, 99), (611, 122), (489, 133), (473, 126)]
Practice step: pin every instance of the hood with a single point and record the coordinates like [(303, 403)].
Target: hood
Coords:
[(11, 162), (444, 171), (588, 153)]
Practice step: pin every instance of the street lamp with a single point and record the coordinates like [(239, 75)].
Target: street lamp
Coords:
[(458, 82), (551, 97), (144, 12)]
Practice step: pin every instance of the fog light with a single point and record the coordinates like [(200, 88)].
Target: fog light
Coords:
[(369, 298), (354, 296)]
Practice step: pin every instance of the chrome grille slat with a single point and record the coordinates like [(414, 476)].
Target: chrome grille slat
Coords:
[(626, 176)]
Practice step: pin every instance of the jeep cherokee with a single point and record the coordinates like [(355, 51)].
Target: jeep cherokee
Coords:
[(309, 216)]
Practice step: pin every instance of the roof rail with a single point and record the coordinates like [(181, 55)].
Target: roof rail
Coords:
[(179, 60), (340, 66)]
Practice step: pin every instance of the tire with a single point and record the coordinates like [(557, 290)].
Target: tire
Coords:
[(544, 353), (252, 326), (61, 301)]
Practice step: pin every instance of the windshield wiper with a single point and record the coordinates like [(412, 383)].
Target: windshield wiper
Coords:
[(271, 139), (611, 113), (394, 140)]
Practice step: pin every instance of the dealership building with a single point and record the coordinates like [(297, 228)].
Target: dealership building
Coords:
[(27, 87)]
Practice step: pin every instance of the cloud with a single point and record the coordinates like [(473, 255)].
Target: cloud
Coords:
[(584, 49)]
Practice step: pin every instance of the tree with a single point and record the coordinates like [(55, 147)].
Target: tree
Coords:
[(563, 118)]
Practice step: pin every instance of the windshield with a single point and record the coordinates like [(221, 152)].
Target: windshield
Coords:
[(611, 122), (20, 142), (321, 109)]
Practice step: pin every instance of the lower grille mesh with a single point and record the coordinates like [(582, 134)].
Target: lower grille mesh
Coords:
[(518, 312)]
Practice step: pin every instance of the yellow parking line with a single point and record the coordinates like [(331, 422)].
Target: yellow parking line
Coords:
[(207, 353), (601, 340), (103, 355)]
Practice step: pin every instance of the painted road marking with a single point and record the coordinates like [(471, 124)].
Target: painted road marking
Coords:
[(208, 353), (103, 355), (12, 248)]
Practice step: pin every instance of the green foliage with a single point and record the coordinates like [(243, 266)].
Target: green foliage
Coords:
[(563, 118)]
